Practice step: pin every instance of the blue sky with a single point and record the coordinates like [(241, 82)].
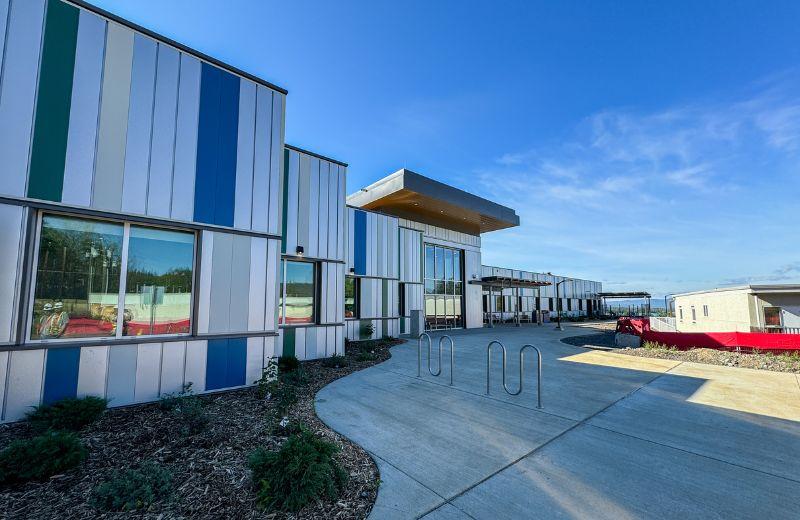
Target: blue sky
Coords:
[(649, 145)]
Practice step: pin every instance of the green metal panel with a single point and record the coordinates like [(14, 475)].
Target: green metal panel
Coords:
[(49, 149), (385, 298), (288, 342)]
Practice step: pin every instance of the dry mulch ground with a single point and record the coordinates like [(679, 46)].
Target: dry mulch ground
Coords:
[(777, 363), (209, 469)]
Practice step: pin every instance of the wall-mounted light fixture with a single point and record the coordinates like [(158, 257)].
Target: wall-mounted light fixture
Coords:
[(352, 270), (299, 250)]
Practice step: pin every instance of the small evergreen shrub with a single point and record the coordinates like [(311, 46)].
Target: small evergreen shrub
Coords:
[(362, 356), (269, 376), (286, 428), (367, 330), (288, 363), (133, 489), (302, 470), (335, 361), (40, 457), (187, 409), (298, 377), (284, 396), (67, 414)]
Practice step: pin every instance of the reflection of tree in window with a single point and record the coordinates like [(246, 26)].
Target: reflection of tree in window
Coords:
[(77, 279), (158, 288), (350, 297), (297, 293)]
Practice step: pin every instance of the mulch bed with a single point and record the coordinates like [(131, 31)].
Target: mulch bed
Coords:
[(777, 363), (603, 339), (209, 469)]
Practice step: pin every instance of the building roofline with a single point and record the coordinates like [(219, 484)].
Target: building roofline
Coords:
[(163, 39), (314, 154), (753, 289)]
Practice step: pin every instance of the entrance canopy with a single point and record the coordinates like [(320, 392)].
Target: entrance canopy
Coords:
[(412, 196), (623, 295), (503, 282)]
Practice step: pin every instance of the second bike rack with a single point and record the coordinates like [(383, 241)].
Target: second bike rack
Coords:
[(430, 348), (521, 369)]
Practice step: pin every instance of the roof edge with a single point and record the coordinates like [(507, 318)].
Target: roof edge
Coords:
[(314, 154)]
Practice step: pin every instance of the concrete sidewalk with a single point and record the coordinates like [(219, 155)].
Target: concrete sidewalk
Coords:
[(618, 436)]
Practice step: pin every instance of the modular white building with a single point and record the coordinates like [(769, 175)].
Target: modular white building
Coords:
[(155, 229)]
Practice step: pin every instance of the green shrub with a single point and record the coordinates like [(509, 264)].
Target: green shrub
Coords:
[(365, 356), (286, 428), (40, 457), (284, 397), (187, 409), (297, 377), (288, 363), (302, 470), (335, 361), (367, 330), (67, 414), (269, 375), (133, 489)]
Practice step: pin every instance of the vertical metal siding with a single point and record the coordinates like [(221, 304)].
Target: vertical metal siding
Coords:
[(121, 374), (240, 284), (264, 179), (183, 179), (222, 268), (92, 371), (24, 382), (245, 153), (173, 356), (148, 369), (61, 374), (11, 245), (226, 158)]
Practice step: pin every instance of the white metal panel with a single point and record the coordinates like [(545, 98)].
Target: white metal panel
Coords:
[(263, 179), (291, 203), (165, 113), (240, 284), (269, 347), (300, 343), (341, 219), (319, 342), (324, 198), (258, 284), (173, 356), (204, 292), (20, 75), (24, 388), (271, 292), (312, 208), (221, 276), (84, 110), (196, 365), (330, 341), (255, 360), (333, 210), (245, 150), (276, 162), (311, 342), (339, 339), (121, 380), (92, 371), (11, 244), (186, 139), (148, 372)]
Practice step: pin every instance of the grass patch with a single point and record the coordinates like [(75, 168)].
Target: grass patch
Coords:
[(302, 471), (40, 457)]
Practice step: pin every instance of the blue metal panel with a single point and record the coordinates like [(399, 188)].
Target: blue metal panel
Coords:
[(207, 144), (225, 193), (237, 361), (217, 364), (61, 374), (360, 242)]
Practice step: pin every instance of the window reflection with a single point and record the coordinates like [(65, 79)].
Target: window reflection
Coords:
[(350, 297), (296, 305), (77, 279), (158, 289)]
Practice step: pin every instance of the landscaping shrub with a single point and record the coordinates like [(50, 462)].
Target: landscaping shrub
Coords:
[(269, 375), (298, 377), (187, 409), (67, 414), (284, 397), (133, 489), (286, 428), (40, 457), (288, 363), (335, 361), (302, 470), (367, 330), (365, 356)]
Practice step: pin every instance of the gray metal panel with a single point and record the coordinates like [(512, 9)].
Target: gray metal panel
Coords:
[(148, 372), (302, 199), (256, 307), (162, 149), (243, 207), (271, 295), (195, 371), (324, 198), (121, 374), (92, 370), (20, 75), (221, 273), (276, 162), (255, 360), (3, 379), (204, 277), (240, 284), (264, 180), (4, 8), (140, 125), (186, 139), (333, 211), (291, 207), (312, 208), (107, 193), (173, 355), (84, 110), (11, 244), (24, 382)]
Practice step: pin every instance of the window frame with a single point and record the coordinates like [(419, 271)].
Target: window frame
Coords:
[(315, 309), (123, 278)]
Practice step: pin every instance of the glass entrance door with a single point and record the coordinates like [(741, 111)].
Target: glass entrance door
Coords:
[(444, 287)]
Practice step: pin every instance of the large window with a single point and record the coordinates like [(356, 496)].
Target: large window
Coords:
[(297, 293), (443, 287), (772, 317), (81, 265), (351, 297)]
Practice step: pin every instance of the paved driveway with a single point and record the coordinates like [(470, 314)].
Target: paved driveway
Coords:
[(618, 436)]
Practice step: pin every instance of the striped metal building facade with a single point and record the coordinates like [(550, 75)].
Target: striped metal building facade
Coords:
[(104, 121)]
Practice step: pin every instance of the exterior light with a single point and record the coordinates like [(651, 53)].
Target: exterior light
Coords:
[(299, 250), (352, 270)]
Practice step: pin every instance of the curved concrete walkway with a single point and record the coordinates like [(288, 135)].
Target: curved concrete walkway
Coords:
[(618, 436)]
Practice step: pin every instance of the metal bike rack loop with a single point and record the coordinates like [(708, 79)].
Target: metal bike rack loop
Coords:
[(521, 370), (430, 351)]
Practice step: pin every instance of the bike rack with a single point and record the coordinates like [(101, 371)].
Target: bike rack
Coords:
[(521, 370), (430, 349)]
